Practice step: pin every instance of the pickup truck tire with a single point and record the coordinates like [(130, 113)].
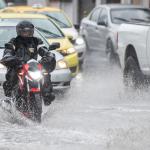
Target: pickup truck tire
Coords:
[(132, 74)]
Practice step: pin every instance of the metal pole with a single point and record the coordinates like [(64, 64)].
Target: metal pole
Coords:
[(75, 11)]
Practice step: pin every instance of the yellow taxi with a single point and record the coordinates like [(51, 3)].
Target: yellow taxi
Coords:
[(51, 32), (56, 14), (60, 19)]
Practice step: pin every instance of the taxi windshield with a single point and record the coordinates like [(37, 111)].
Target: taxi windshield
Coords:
[(59, 18), (8, 32), (48, 29)]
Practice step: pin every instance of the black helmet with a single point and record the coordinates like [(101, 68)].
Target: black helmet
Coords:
[(25, 29)]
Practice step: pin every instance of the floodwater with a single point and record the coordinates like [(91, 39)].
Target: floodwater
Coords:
[(96, 113)]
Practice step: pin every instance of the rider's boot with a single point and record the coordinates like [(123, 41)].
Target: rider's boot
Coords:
[(48, 98), (7, 89)]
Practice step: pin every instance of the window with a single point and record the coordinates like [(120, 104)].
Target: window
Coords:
[(119, 16), (6, 33), (49, 30), (103, 16), (60, 19), (95, 15)]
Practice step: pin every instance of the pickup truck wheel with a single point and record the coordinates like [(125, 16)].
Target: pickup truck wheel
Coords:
[(132, 74)]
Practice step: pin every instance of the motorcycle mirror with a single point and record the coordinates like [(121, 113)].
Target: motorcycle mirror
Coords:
[(54, 46)]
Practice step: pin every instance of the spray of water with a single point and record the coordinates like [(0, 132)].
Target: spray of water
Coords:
[(97, 112)]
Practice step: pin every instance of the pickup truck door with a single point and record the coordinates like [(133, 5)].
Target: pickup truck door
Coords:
[(102, 29), (92, 29)]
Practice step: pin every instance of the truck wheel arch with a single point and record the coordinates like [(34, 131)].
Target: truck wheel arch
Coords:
[(108, 41), (130, 51)]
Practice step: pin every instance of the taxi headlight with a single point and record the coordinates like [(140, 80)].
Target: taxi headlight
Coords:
[(68, 51), (2, 66), (79, 41), (61, 65), (71, 50)]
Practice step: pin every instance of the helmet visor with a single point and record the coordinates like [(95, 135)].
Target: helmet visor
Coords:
[(27, 32)]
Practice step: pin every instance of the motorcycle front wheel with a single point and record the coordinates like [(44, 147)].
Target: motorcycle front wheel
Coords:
[(36, 106)]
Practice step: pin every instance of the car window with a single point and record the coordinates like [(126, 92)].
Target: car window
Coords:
[(47, 27), (6, 33), (103, 16), (119, 16), (95, 15), (60, 19)]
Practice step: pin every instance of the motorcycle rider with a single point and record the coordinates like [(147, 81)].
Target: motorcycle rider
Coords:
[(25, 47)]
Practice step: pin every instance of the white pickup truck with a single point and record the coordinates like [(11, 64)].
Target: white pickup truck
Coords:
[(134, 52)]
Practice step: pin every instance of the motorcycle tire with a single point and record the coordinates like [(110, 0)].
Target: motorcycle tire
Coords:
[(36, 107)]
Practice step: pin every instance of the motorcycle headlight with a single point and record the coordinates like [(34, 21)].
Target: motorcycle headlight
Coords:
[(37, 75), (2, 66), (61, 65), (79, 41)]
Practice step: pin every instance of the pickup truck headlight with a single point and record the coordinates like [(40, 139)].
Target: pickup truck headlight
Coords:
[(2, 66), (79, 41), (61, 64)]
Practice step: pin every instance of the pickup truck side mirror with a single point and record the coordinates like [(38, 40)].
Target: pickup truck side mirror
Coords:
[(54, 46)]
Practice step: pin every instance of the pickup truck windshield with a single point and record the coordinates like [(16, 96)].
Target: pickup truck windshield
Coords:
[(119, 16)]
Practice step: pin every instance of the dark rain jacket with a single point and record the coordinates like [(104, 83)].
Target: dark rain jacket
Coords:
[(27, 49)]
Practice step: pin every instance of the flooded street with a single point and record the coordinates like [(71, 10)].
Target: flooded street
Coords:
[(96, 113)]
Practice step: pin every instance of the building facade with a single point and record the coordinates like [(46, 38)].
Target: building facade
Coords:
[(77, 9)]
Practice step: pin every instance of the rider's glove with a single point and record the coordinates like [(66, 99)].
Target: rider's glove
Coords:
[(49, 62), (11, 61)]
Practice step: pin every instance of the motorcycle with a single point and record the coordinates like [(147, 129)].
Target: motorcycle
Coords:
[(27, 94)]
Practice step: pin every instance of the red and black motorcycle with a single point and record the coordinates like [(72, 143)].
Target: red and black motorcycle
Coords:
[(27, 94)]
